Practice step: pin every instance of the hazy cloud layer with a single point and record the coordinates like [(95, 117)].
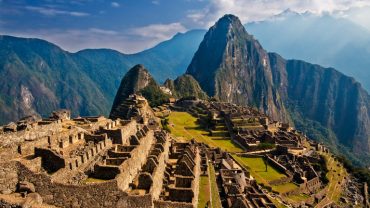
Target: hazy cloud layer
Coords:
[(132, 26), (257, 10), (131, 41)]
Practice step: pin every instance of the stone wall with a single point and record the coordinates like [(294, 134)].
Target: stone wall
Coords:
[(8, 177), (159, 172), (104, 194), (130, 128), (132, 166), (51, 161), (16, 138), (195, 185), (169, 204), (136, 201)]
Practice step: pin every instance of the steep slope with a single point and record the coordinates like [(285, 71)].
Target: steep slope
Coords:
[(232, 66), (185, 86), (171, 57), (137, 80), (39, 77), (310, 37), (329, 98)]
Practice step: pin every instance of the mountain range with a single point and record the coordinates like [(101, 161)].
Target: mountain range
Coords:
[(229, 64), (38, 77), (326, 40)]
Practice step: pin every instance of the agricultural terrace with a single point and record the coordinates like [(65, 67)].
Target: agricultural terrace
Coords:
[(184, 125)]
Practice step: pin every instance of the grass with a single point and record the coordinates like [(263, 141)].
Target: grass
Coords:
[(215, 197), (335, 175), (184, 125), (257, 169), (298, 197), (203, 192), (283, 188), (257, 166)]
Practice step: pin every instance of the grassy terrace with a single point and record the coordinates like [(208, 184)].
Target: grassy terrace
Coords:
[(257, 168), (216, 201), (204, 196), (184, 125), (335, 175), (208, 192)]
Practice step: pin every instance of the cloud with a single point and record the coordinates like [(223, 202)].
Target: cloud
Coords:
[(115, 4), (159, 31), (155, 2), (73, 40), (103, 32), (256, 10), (53, 12)]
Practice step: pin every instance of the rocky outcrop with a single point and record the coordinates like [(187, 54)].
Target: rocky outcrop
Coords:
[(185, 86)]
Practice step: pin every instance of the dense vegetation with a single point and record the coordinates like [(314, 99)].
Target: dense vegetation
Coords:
[(154, 95), (185, 86)]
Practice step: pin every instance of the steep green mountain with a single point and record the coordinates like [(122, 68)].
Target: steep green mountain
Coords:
[(325, 40), (39, 77), (137, 81), (232, 66), (185, 86)]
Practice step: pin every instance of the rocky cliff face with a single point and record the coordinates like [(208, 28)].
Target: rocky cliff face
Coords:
[(232, 66), (325, 95), (185, 86)]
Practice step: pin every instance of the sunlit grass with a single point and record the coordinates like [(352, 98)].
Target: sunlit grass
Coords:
[(203, 197), (182, 124)]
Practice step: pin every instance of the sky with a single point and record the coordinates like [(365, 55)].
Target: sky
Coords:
[(131, 26)]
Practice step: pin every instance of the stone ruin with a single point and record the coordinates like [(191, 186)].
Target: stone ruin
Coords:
[(128, 161), (97, 162), (238, 188)]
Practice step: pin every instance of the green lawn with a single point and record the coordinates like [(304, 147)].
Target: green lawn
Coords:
[(216, 201), (257, 168), (184, 125), (203, 197), (283, 188), (298, 197)]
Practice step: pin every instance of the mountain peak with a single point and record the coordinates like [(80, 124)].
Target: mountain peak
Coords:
[(136, 79), (230, 19), (139, 67), (229, 24), (232, 66)]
